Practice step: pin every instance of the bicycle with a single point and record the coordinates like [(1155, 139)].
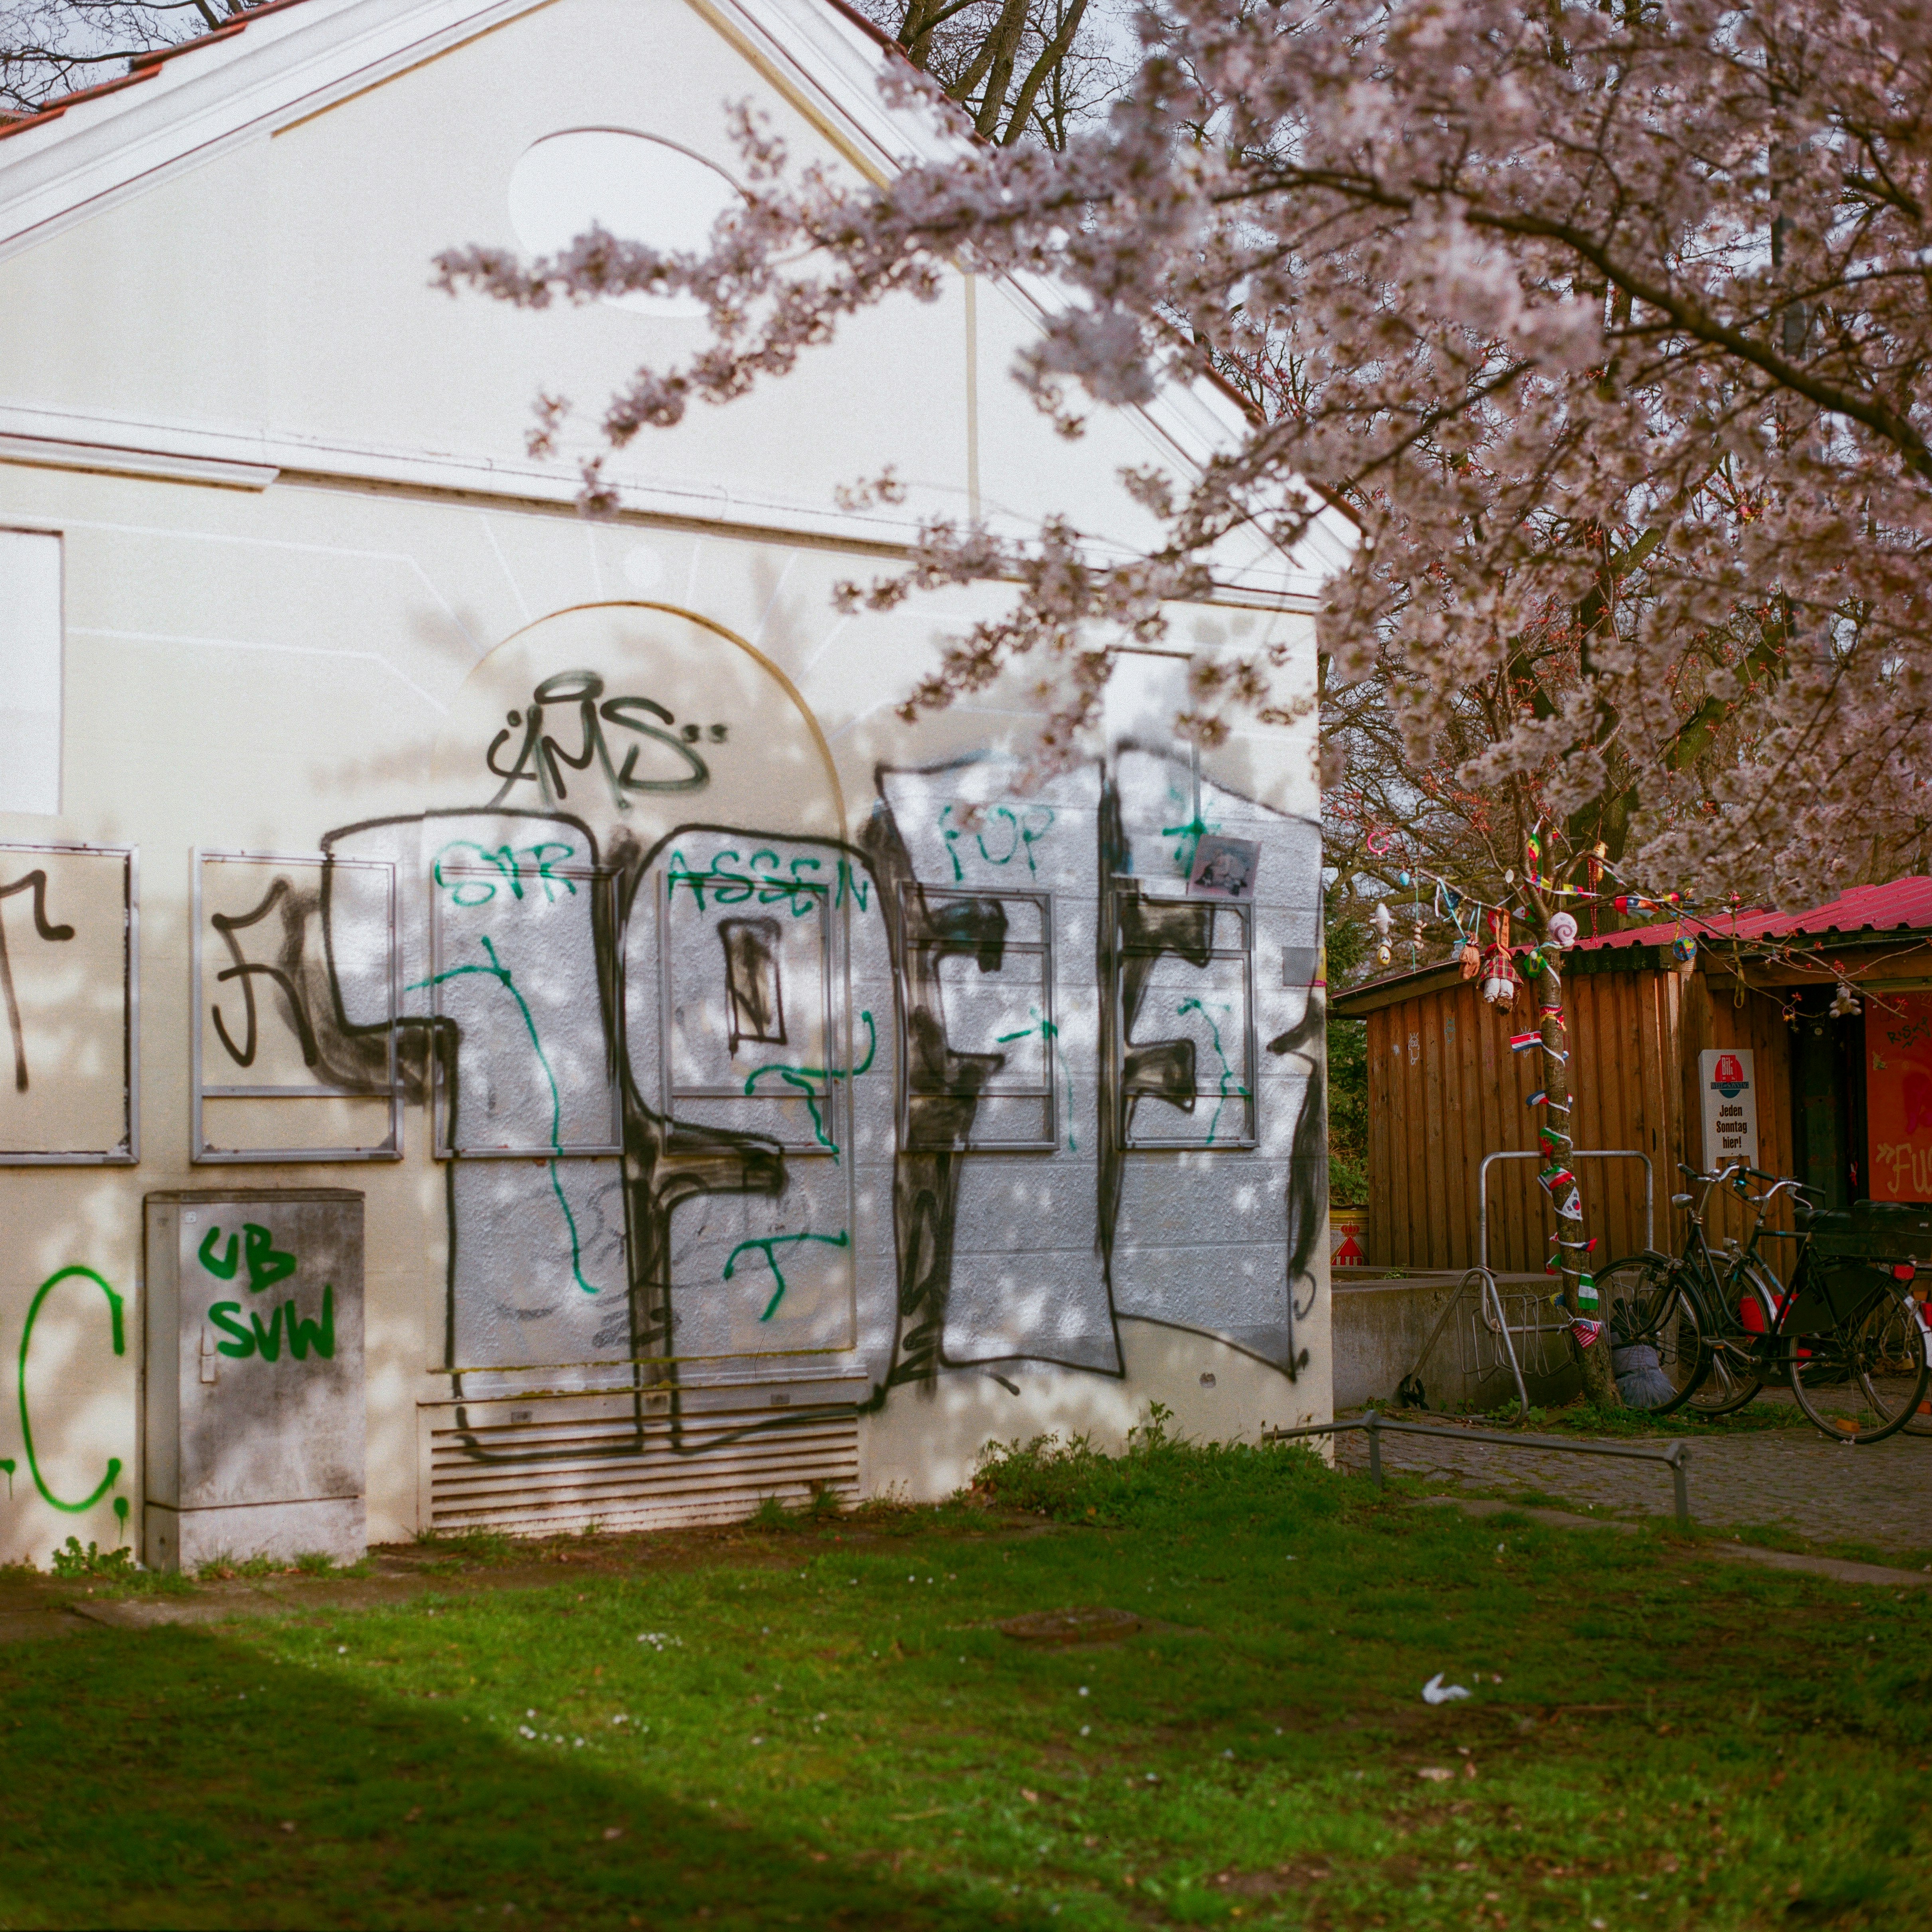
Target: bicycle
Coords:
[(1852, 1317), (1668, 1303)]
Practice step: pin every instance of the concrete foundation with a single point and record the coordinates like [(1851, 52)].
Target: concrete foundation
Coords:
[(336, 1527), (1382, 1323)]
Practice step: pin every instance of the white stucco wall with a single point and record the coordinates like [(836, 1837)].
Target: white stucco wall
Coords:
[(258, 669)]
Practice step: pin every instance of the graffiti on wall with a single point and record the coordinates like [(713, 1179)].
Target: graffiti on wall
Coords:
[(961, 1094)]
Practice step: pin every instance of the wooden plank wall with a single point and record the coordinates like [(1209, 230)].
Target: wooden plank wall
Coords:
[(1713, 1018), (1444, 1090)]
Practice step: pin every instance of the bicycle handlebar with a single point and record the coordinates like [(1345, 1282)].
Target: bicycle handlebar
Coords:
[(1738, 1176)]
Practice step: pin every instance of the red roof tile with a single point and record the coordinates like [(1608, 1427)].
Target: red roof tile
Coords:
[(142, 66)]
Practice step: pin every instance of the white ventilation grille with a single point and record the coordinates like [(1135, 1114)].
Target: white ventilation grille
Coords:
[(532, 1466)]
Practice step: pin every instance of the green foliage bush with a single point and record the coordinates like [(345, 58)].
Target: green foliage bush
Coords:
[(1158, 1478), (71, 1560)]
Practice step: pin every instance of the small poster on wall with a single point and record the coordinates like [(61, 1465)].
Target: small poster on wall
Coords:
[(1898, 1095), (1727, 1080), (1224, 869)]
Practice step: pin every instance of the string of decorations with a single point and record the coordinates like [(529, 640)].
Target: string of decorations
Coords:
[(1497, 965)]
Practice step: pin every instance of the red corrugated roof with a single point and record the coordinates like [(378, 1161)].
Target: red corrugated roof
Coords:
[(142, 67), (1900, 903)]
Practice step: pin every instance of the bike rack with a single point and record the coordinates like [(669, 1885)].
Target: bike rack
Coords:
[(1376, 1425), (1492, 1314)]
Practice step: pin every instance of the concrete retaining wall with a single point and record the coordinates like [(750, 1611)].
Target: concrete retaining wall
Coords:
[(1382, 1323)]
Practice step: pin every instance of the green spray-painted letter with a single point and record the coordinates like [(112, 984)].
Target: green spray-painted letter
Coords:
[(114, 1307), (227, 1316)]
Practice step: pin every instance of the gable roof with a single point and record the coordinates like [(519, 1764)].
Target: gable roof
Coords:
[(1900, 905), (287, 60), (144, 67), (1866, 915)]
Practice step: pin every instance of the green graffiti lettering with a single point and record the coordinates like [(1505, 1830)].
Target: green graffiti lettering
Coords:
[(677, 873), (511, 864), (765, 1245), (1013, 842), (1044, 1030), (729, 888), (319, 1336), (76, 1272), (951, 836), (1030, 833), (852, 886), (227, 1316), (268, 1339), (6, 1464), (222, 1267), (541, 855), (803, 1078), (501, 974), (1023, 829), (1236, 1089), (267, 1263), (1190, 832), (805, 895)]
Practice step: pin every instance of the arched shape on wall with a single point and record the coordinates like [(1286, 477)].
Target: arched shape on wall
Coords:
[(640, 187), (628, 713)]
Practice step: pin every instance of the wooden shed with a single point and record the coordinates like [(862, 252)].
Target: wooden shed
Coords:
[(1445, 1090)]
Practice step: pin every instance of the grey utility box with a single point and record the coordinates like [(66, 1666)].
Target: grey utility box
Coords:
[(256, 1422)]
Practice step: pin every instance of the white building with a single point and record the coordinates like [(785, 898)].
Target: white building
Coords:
[(746, 1090)]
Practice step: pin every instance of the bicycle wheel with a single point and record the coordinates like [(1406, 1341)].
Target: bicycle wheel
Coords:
[(1919, 1422), (1736, 1371), (1643, 1305), (1864, 1379)]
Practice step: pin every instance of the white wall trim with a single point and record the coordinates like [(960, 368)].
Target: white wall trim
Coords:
[(256, 460), (203, 103)]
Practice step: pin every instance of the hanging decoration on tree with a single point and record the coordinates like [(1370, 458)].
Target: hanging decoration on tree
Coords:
[(1499, 979), (1491, 961), (1560, 1184), (1532, 856)]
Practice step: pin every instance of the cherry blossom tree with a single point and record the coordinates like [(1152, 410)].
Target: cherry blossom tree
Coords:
[(1609, 324), (1557, 284)]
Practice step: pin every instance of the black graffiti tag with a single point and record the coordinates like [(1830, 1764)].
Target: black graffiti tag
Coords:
[(36, 882), (228, 924), (541, 759)]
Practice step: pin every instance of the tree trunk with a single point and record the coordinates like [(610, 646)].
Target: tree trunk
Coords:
[(1600, 1382)]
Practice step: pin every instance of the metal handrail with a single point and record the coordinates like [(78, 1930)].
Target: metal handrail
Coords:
[(1375, 1423), (1576, 1153)]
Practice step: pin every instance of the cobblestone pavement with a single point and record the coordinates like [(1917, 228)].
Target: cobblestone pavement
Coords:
[(1791, 1479)]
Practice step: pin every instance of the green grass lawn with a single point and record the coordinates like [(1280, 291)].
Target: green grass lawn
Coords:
[(821, 1724)]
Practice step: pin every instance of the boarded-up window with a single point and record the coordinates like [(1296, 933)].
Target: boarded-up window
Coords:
[(30, 671)]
